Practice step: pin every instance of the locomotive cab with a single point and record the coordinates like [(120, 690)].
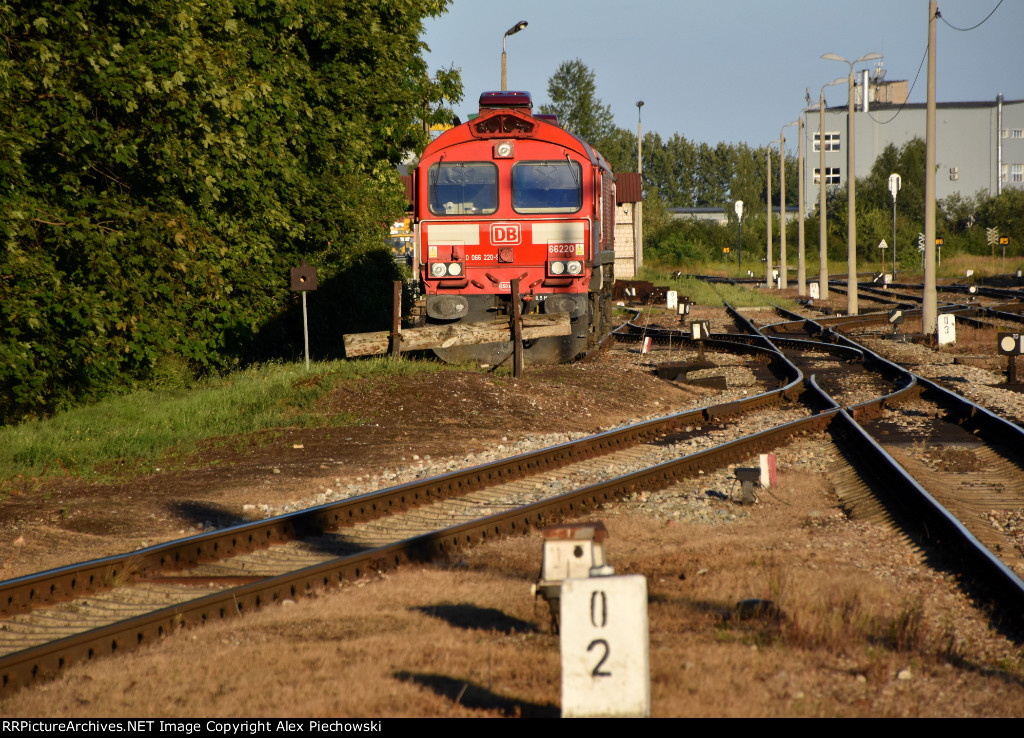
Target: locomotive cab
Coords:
[(509, 195)]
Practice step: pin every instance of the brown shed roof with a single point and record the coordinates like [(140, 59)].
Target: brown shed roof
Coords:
[(628, 187)]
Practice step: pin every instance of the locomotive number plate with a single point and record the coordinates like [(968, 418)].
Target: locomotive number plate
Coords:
[(565, 249)]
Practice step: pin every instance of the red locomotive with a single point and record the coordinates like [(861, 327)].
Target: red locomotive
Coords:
[(511, 195)]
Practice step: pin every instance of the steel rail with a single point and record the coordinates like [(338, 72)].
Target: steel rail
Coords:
[(938, 525), (40, 662), (36, 663), (65, 583)]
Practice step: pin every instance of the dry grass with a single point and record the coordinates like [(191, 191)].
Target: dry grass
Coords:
[(975, 340), (858, 627)]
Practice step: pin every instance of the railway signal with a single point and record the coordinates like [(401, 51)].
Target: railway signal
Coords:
[(894, 187), (991, 237), (895, 318), (699, 330), (1010, 345), (303, 279)]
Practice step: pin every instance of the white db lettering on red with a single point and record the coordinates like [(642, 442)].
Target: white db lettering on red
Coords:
[(506, 234)]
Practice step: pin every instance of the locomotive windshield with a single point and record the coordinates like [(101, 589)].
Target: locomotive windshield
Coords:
[(463, 188), (547, 187)]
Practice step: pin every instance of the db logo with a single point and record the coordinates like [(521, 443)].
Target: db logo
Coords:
[(506, 234)]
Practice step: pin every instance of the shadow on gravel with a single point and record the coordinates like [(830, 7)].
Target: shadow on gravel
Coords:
[(203, 514), (471, 617), (210, 517), (477, 698)]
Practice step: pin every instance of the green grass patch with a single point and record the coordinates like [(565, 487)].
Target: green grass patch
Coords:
[(714, 295), (142, 426)]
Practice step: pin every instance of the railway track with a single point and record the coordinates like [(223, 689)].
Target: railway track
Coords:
[(79, 612), (56, 618), (947, 509)]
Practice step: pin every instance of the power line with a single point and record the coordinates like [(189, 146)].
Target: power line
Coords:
[(955, 28), (903, 104), (925, 56)]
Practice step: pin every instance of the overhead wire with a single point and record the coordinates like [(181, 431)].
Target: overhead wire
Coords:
[(912, 85), (955, 28), (938, 15)]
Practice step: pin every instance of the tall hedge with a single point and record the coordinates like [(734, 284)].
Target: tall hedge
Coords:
[(164, 162)]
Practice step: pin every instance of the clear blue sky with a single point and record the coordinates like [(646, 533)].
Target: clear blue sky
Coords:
[(727, 70)]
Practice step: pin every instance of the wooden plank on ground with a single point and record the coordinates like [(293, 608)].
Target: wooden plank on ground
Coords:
[(457, 334)]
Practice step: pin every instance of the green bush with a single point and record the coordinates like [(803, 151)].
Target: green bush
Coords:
[(164, 164)]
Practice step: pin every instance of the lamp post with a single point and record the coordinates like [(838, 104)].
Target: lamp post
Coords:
[(801, 256), (639, 139), (822, 237), (929, 304), (638, 208), (514, 29), (851, 217), (783, 284), (768, 203)]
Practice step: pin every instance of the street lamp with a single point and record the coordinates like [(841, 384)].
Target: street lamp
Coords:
[(638, 207), (851, 217), (783, 284), (822, 237), (768, 204), (801, 253), (514, 29), (639, 140)]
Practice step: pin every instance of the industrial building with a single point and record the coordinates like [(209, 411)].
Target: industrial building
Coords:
[(979, 145)]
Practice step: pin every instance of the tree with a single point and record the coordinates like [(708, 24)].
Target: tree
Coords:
[(619, 149), (908, 162), (164, 163), (573, 94), (1005, 212)]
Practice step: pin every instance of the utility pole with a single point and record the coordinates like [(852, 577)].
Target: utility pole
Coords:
[(768, 198), (801, 268), (929, 308), (822, 235), (638, 207), (851, 185)]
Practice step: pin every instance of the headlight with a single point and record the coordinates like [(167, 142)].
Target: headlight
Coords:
[(454, 269), (557, 267), (437, 269), (575, 267)]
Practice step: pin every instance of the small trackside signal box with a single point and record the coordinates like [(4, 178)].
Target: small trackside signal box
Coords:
[(571, 551)]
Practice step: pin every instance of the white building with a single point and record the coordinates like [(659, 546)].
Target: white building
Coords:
[(979, 145)]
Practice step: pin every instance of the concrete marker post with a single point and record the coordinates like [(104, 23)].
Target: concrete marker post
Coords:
[(605, 647)]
